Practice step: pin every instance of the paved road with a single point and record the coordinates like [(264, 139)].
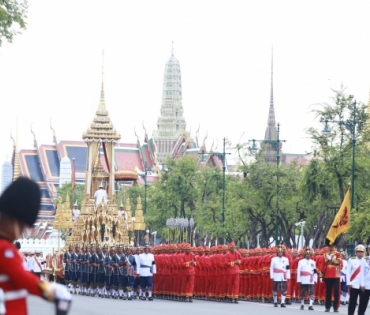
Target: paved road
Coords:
[(96, 306)]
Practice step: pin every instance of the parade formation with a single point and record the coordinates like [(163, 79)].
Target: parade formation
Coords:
[(179, 272)]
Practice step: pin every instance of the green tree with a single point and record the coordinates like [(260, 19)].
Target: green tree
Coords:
[(12, 18), (74, 195), (327, 178)]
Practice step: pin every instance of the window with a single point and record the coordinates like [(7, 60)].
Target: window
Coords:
[(177, 127)]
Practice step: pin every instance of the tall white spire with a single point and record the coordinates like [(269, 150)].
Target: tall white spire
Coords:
[(171, 123)]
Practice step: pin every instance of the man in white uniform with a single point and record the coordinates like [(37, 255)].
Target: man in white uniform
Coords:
[(356, 277), (364, 298), (100, 194), (37, 265), (75, 212), (145, 269), (122, 213), (307, 278), (343, 281), (279, 274)]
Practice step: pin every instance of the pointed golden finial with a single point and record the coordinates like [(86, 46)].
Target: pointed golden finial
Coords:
[(34, 137), (54, 135), (145, 135), (216, 145), (213, 142), (205, 138)]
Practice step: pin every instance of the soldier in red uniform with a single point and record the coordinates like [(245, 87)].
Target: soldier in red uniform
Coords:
[(19, 206), (233, 260), (188, 264), (333, 266)]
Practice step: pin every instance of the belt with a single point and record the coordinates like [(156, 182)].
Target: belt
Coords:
[(306, 273), (277, 270), (4, 278)]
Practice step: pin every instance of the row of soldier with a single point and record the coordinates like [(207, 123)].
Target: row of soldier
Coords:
[(109, 272), (220, 273)]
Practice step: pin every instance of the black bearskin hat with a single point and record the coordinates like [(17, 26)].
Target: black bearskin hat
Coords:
[(21, 200)]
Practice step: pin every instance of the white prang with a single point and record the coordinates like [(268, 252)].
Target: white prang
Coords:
[(65, 171)]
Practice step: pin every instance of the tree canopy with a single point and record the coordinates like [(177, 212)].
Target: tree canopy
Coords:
[(12, 18)]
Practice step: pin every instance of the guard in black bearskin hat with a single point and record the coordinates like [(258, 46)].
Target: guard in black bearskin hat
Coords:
[(19, 206)]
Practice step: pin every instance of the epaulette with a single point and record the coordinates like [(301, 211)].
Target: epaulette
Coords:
[(353, 257)]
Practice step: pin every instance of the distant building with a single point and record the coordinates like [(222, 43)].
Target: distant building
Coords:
[(6, 175), (50, 164)]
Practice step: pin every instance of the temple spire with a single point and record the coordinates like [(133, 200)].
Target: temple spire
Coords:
[(102, 79), (271, 119)]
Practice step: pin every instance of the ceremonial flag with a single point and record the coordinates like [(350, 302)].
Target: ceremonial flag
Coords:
[(73, 175), (341, 220)]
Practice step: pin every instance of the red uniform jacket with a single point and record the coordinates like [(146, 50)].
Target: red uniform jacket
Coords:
[(233, 268), (15, 281), (333, 266)]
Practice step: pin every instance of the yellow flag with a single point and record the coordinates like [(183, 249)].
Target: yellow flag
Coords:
[(341, 220)]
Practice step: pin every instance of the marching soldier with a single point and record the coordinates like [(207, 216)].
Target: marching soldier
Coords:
[(233, 262), (123, 274), (356, 277), (131, 271), (94, 265), (333, 265), (108, 265), (136, 275), (279, 274), (83, 273), (188, 272), (145, 269), (67, 259), (115, 274), (101, 270), (307, 278)]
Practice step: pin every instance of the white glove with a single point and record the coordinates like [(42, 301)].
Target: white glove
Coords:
[(328, 257), (321, 280), (61, 292)]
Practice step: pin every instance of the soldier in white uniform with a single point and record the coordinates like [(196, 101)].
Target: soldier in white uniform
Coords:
[(343, 281), (145, 269), (279, 274), (307, 278), (122, 213), (356, 277), (364, 297)]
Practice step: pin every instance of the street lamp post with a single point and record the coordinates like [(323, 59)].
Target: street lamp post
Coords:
[(222, 157), (144, 176), (275, 144)]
